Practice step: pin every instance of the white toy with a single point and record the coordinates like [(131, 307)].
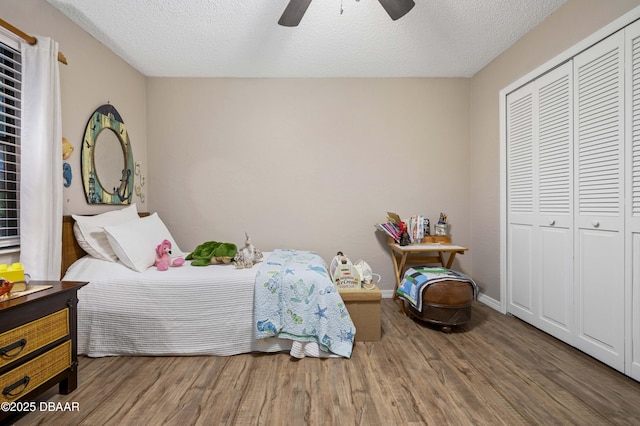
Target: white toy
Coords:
[(248, 255)]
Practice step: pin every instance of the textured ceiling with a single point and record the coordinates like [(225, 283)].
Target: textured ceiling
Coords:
[(336, 38)]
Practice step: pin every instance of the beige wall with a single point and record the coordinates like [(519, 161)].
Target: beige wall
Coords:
[(574, 21), (218, 148), (308, 163), (93, 76)]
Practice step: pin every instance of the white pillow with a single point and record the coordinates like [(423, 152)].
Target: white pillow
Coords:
[(90, 234), (135, 241)]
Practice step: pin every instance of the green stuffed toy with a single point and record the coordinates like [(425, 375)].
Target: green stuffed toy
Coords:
[(211, 253)]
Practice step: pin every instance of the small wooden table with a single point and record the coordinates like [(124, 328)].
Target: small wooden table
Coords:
[(414, 254)]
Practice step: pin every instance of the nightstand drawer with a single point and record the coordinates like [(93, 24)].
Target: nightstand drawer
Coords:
[(21, 380), (20, 341)]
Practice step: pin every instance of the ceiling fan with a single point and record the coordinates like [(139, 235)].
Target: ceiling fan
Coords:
[(295, 10)]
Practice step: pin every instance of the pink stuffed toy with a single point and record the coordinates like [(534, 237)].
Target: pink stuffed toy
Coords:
[(163, 257)]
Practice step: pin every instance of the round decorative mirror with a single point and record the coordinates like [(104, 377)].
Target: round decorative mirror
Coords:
[(107, 159)]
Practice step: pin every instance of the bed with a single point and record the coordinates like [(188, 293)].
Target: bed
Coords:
[(207, 310)]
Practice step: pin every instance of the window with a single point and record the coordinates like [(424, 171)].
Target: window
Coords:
[(10, 111)]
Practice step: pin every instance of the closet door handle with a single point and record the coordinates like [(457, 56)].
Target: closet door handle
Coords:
[(595, 223), (552, 222)]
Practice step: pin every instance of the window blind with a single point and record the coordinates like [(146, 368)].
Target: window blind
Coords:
[(10, 112)]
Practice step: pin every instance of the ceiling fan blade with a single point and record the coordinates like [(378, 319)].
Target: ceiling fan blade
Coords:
[(397, 8), (293, 13)]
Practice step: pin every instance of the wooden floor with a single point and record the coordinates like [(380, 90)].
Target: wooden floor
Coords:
[(496, 370)]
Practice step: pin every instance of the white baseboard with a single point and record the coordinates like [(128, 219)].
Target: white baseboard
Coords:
[(387, 294), (490, 302)]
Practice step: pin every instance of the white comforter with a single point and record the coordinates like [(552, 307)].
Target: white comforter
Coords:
[(183, 311)]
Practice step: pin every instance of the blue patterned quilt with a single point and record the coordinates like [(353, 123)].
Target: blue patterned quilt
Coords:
[(295, 299), (417, 278)]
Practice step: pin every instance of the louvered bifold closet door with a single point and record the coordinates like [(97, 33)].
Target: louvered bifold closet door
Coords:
[(555, 202), (540, 210), (521, 203), (599, 218), (632, 190)]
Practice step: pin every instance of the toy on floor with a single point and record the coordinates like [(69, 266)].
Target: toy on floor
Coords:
[(163, 257), (248, 255), (212, 253)]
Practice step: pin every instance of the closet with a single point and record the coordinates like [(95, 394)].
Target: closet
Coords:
[(573, 201), (540, 197)]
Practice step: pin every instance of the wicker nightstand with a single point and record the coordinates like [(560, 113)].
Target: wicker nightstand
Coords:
[(38, 343)]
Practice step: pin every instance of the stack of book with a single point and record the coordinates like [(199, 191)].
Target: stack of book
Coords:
[(417, 227), (392, 229)]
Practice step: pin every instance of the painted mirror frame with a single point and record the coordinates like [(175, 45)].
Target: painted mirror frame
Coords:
[(106, 119)]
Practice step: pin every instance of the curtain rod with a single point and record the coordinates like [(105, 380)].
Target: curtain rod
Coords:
[(29, 39)]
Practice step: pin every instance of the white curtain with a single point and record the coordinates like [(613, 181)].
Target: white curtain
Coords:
[(41, 161)]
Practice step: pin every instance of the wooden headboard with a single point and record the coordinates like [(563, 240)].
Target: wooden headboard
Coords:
[(71, 250)]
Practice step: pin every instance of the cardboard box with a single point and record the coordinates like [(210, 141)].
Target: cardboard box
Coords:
[(364, 309)]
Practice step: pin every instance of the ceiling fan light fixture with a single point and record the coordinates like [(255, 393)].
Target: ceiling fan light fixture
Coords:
[(296, 9)]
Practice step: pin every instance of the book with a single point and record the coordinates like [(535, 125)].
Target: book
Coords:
[(392, 229), (418, 227)]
